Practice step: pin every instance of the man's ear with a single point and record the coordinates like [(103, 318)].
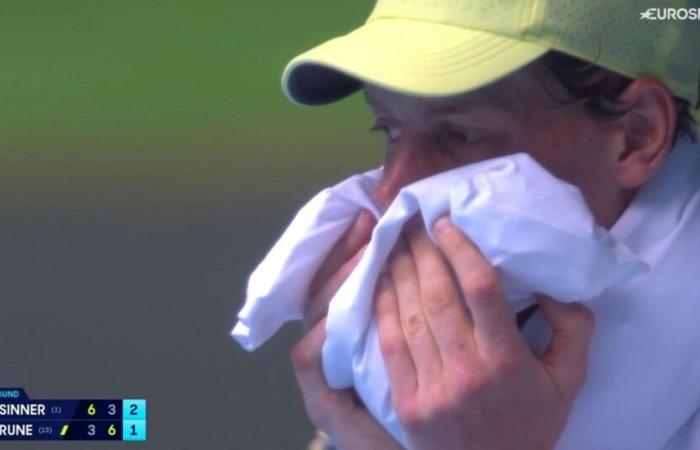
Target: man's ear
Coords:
[(649, 126)]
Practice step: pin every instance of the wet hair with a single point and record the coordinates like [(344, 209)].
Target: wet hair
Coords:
[(598, 89)]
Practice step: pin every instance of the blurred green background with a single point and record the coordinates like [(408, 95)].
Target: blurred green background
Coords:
[(166, 101), (148, 159)]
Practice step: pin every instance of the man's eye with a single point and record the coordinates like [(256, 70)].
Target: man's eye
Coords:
[(392, 133), (455, 136)]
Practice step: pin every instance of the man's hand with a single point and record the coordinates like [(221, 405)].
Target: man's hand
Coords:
[(337, 412), (462, 377)]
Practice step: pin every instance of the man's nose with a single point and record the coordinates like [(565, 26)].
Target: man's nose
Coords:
[(409, 161)]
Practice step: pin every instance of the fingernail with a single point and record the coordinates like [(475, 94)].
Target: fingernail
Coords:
[(362, 218), (442, 224), (363, 221)]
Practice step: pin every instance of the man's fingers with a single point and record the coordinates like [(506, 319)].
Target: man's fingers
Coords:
[(400, 368), (348, 245), (337, 266), (306, 359), (421, 343), (567, 355), (442, 303), (495, 330), (317, 306), (321, 402), (335, 411)]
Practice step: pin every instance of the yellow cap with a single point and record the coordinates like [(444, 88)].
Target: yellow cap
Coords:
[(446, 47)]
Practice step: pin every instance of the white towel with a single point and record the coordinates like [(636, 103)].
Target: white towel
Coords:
[(534, 228)]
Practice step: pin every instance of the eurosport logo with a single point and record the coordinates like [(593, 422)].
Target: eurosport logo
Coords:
[(671, 14)]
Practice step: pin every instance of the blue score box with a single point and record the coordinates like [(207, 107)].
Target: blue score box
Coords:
[(22, 418)]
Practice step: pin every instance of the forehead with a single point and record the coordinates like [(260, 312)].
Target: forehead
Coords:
[(514, 92), (379, 98)]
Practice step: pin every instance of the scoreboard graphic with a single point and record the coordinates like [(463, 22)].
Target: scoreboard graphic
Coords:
[(22, 418)]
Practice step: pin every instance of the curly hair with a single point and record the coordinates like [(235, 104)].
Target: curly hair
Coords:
[(598, 89)]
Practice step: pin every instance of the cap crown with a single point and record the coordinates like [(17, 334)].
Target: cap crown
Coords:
[(610, 33)]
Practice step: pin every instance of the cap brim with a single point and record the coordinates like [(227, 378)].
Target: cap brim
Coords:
[(409, 56)]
